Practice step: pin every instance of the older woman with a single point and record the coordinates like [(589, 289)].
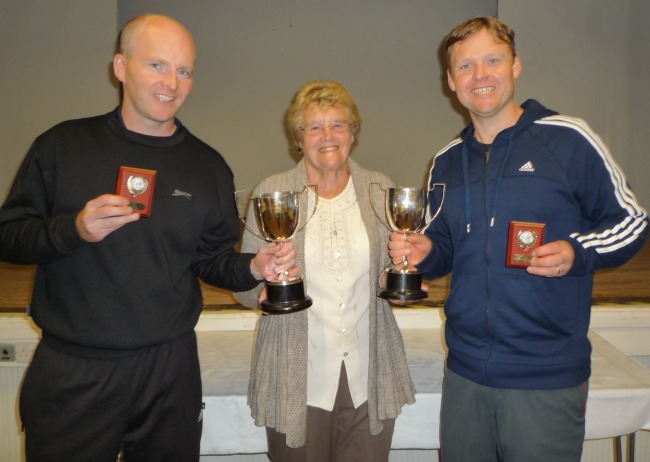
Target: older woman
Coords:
[(329, 381)]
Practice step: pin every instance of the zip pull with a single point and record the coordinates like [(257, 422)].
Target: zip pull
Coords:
[(487, 156)]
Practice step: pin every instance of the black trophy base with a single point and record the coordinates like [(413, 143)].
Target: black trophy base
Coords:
[(403, 286), (285, 297)]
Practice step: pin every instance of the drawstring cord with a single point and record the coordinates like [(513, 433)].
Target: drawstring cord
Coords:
[(497, 187)]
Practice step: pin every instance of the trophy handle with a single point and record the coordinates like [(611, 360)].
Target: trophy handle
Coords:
[(372, 205), (238, 195), (442, 200), (313, 212)]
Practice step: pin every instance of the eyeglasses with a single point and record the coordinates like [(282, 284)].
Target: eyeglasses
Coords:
[(315, 129)]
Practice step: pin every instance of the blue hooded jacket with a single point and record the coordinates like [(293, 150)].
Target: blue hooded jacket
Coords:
[(504, 327)]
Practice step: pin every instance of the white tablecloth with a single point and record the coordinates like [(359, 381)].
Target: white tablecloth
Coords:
[(619, 392)]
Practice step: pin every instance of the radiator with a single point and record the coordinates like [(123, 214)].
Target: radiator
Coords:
[(11, 438)]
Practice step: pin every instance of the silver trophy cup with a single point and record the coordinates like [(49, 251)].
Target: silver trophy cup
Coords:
[(278, 216), (406, 212)]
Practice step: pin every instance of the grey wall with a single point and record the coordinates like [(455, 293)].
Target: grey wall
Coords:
[(55, 66), (585, 57), (254, 55), (590, 58)]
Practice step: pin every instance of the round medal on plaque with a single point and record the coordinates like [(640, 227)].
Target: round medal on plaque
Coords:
[(137, 184), (523, 238)]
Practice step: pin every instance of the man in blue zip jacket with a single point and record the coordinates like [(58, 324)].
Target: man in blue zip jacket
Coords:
[(518, 365)]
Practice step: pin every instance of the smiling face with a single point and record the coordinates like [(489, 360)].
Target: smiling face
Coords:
[(156, 67), (482, 72), (329, 151)]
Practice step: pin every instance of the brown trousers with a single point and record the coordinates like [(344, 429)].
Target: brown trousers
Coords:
[(342, 435)]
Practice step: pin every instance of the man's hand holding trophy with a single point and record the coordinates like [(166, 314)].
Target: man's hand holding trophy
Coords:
[(406, 210)]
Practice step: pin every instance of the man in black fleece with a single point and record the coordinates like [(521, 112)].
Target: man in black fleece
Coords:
[(117, 294)]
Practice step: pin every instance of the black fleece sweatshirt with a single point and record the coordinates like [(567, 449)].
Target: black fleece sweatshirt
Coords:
[(139, 286)]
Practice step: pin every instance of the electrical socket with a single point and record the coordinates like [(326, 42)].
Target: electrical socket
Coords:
[(18, 351), (7, 352), (25, 351)]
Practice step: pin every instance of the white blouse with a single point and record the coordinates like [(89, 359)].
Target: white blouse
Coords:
[(337, 279)]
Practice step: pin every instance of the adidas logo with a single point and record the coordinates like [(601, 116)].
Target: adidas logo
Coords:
[(527, 167)]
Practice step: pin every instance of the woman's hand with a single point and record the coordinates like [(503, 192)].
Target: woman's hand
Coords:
[(274, 260)]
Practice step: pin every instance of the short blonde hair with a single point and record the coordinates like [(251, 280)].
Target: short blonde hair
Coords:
[(325, 93), (495, 26)]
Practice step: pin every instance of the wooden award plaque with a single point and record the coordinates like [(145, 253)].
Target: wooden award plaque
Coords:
[(523, 238), (137, 184)]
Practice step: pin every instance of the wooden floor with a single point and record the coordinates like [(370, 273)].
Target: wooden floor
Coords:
[(625, 285)]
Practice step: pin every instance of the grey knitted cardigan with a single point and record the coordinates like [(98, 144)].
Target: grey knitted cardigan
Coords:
[(277, 391)]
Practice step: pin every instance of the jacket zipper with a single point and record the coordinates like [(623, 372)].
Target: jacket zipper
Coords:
[(487, 256)]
